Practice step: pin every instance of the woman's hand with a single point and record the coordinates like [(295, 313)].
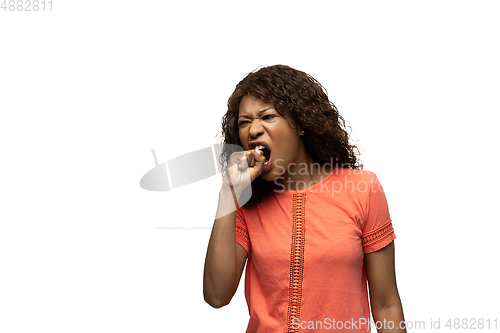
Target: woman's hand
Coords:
[(243, 168)]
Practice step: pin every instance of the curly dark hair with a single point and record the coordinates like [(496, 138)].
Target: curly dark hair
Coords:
[(297, 95)]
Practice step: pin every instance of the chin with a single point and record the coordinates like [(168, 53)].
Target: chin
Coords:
[(269, 176), (266, 177)]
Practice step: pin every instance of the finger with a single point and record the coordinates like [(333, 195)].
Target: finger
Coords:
[(259, 159), (246, 160), (259, 156), (243, 162), (250, 157), (259, 165), (235, 157)]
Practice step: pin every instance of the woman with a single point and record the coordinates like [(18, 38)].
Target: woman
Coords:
[(316, 228)]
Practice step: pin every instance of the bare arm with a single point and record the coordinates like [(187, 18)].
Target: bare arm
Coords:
[(225, 258), (384, 296)]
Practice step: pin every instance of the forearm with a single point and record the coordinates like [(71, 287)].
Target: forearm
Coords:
[(389, 319), (219, 276)]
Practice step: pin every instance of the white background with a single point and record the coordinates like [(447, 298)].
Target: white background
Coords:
[(89, 88)]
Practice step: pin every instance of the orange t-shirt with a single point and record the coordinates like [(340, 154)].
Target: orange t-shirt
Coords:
[(305, 248)]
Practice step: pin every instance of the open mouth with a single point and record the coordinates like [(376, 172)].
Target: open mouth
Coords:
[(264, 150)]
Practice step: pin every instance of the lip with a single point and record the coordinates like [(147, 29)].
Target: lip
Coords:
[(268, 166), (254, 144)]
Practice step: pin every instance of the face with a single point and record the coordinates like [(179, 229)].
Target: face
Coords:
[(259, 121)]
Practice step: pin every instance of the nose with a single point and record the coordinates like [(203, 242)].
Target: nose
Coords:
[(256, 130)]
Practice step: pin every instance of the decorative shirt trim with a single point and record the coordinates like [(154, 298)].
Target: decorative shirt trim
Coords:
[(242, 233), (296, 261), (378, 234)]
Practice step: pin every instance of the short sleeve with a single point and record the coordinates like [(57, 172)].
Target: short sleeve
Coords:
[(377, 230), (242, 237)]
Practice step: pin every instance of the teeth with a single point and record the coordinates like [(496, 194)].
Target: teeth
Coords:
[(265, 163), (258, 149)]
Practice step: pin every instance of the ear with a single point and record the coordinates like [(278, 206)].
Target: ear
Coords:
[(301, 132)]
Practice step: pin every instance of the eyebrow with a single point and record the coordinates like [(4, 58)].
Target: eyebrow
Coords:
[(259, 113)]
